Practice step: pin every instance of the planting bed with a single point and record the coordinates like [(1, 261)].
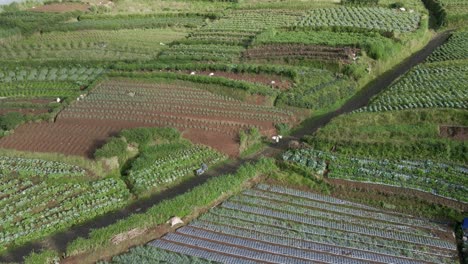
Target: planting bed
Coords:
[(39, 197), (130, 44), (299, 51), (123, 103), (369, 18), (274, 224), (70, 138), (280, 82)]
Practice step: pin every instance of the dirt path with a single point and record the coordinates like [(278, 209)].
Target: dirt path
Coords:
[(60, 240)]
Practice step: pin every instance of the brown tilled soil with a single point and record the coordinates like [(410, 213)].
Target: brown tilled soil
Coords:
[(454, 132), (66, 138), (31, 111), (61, 7)]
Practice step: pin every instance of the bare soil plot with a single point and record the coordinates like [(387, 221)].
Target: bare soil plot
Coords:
[(454, 132)]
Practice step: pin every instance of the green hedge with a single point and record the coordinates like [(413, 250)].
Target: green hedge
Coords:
[(241, 85)]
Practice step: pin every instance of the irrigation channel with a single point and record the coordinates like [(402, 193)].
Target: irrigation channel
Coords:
[(60, 240)]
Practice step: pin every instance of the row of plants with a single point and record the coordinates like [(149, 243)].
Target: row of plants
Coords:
[(38, 167), (256, 223), (202, 52), (456, 48), (327, 223), (174, 166), (426, 86), (34, 208), (375, 45), (50, 74), (143, 254), (126, 44), (212, 36), (377, 19), (245, 223), (440, 179), (131, 22), (329, 203), (41, 89), (255, 20), (249, 87), (282, 70), (182, 205), (325, 213)]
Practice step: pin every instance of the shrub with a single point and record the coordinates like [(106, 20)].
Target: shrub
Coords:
[(144, 135), (115, 147), (249, 138), (11, 120)]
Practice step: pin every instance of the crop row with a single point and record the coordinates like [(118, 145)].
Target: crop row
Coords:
[(172, 167), (437, 178), (220, 37), (37, 167), (311, 254), (89, 45), (322, 213), (149, 254), (43, 208), (456, 48), (50, 74), (340, 209), (300, 51), (132, 23), (255, 20), (38, 89), (200, 253), (426, 86), (370, 18), (230, 221), (199, 52), (343, 226), (264, 228), (178, 110)]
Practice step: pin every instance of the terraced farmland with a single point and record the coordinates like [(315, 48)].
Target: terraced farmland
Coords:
[(445, 180), (178, 161), (281, 225), (426, 86), (39, 202), (301, 52), (90, 45), (204, 117), (456, 48), (369, 18), (439, 83)]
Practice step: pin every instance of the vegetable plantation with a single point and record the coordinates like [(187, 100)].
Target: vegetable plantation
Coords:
[(91, 45), (441, 85), (456, 48), (281, 225), (369, 18), (38, 198), (446, 180), (177, 162)]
